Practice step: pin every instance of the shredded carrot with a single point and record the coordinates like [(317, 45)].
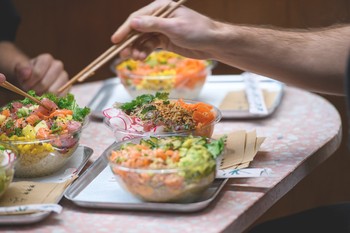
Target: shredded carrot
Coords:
[(202, 113)]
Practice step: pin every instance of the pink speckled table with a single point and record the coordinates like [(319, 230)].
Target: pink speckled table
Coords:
[(303, 132)]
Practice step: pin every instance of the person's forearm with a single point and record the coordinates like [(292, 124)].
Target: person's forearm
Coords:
[(10, 55), (296, 57)]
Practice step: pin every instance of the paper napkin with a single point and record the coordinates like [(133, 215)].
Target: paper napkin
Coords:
[(241, 148), (237, 100), (29, 192)]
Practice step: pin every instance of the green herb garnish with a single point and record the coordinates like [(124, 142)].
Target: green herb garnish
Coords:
[(217, 146), (143, 100)]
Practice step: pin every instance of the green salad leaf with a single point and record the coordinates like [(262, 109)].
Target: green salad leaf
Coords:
[(143, 100), (217, 146), (65, 102)]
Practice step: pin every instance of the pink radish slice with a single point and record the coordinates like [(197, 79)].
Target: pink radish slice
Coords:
[(136, 128), (119, 123), (9, 157), (111, 112)]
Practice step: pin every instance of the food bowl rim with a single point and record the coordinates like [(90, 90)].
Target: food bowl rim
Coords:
[(211, 64)]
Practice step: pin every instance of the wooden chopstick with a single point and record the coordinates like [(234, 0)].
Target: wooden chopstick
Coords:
[(115, 49), (15, 89), (84, 74), (130, 39)]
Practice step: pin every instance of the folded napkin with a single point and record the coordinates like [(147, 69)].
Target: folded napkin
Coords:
[(241, 148), (22, 193), (237, 100)]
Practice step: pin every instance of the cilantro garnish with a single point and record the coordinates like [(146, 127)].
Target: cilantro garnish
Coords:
[(217, 146), (143, 100)]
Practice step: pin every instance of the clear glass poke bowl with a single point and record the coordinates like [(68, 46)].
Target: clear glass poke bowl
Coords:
[(41, 157), (155, 180)]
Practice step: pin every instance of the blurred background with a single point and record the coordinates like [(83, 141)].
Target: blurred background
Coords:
[(77, 31)]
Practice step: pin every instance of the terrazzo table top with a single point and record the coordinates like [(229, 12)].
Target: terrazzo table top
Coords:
[(303, 132)]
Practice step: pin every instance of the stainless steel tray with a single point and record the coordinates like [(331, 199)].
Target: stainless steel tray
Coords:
[(97, 188), (213, 92), (79, 159)]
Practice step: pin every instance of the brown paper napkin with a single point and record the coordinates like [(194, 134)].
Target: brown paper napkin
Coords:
[(28, 192), (241, 148), (237, 100)]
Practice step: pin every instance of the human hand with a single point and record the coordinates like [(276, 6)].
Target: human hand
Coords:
[(2, 78), (41, 74), (185, 32)]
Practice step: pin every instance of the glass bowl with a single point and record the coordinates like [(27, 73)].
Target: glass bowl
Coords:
[(44, 135), (7, 166), (164, 71), (179, 170), (125, 127), (41, 157)]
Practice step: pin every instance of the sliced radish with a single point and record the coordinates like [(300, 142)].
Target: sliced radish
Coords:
[(9, 157), (111, 112), (119, 123)]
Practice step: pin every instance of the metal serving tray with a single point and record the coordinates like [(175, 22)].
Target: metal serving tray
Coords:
[(98, 188), (213, 92), (79, 159)]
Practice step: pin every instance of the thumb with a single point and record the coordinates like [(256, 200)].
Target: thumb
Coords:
[(150, 24), (23, 71)]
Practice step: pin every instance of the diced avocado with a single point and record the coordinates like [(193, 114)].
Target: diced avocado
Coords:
[(148, 143), (153, 139), (187, 143), (41, 124), (23, 112), (183, 151), (177, 144)]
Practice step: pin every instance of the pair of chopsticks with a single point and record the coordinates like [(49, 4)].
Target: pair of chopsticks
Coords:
[(89, 70), (15, 89)]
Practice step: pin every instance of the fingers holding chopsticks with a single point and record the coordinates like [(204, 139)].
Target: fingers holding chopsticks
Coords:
[(148, 20), (183, 31), (142, 47), (41, 74), (125, 29)]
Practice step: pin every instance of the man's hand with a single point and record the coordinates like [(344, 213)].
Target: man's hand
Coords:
[(41, 74)]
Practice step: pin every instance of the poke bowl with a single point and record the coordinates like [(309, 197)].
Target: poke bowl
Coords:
[(7, 166), (174, 168), (166, 72), (158, 115), (45, 136)]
